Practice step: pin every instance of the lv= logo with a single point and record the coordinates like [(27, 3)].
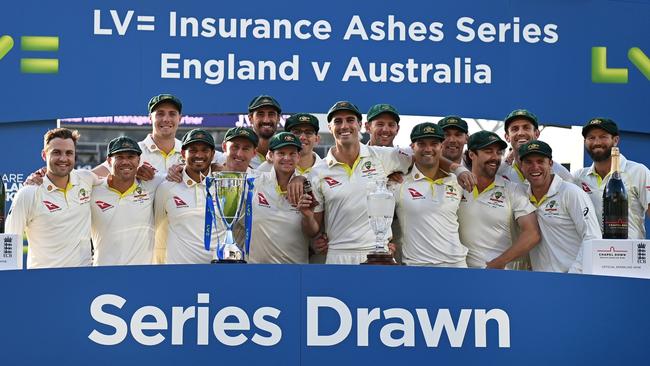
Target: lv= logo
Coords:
[(602, 74), (33, 44)]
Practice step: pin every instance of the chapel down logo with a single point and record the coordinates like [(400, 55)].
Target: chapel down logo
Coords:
[(33, 65)]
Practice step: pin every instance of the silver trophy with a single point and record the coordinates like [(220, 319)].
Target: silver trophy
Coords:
[(381, 207), (226, 197)]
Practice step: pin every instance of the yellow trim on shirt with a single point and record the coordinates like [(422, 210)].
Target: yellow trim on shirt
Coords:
[(170, 153), (279, 190), (65, 190), (519, 173), (475, 192), (533, 200), (126, 193), (303, 171), (348, 169)]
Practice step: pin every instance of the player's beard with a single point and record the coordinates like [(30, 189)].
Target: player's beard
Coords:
[(600, 156)]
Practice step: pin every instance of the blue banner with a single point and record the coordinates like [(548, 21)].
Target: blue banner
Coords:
[(320, 315), (567, 61)]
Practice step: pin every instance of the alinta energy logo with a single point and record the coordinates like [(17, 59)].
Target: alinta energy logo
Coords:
[(602, 74), (33, 65)]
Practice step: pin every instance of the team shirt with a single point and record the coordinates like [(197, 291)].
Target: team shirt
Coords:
[(488, 220), (566, 219), (56, 221), (636, 178), (179, 210), (342, 190), (428, 215), (123, 223), (276, 235), (513, 173), (257, 160), (267, 166)]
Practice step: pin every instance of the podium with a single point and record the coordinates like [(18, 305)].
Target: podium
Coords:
[(616, 257)]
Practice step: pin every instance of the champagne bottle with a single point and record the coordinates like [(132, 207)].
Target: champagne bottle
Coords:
[(615, 202), (3, 200)]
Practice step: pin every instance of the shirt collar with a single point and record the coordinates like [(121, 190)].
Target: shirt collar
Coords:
[(49, 186), (416, 175), (364, 152), (189, 182), (150, 144), (552, 190)]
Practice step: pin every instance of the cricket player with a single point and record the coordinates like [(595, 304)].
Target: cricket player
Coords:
[(55, 215), (340, 182), (427, 205), (264, 113), (565, 214), (521, 126), (305, 127), (382, 124), (277, 235), (122, 209), (497, 221), (456, 131), (601, 134)]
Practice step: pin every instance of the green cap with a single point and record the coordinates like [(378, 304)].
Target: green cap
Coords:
[(603, 123), (519, 114), (425, 130), (483, 139), (343, 106), (283, 139), (197, 135), (535, 147), (244, 132), (264, 101), (301, 119), (123, 144), (378, 109), (154, 101), (453, 122)]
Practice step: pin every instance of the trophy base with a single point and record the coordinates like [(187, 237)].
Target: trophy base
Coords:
[(380, 258), (228, 261)]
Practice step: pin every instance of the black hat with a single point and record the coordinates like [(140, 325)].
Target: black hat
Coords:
[(603, 123), (535, 147), (264, 101), (155, 101), (426, 130), (122, 144), (378, 109), (521, 114), (482, 139), (243, 132), (283, 139), (197, 135), (343, 106), (301, 119), (453, 122)]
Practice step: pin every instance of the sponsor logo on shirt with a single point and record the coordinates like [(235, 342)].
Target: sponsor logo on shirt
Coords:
[(331, 182), (51, 206), (368, 169), (140, 195), (496, 199), (179, 202), (103, 205), (415, 194), (83, 195), (552, 208), (586, 188), (451, 192), (261, 200)]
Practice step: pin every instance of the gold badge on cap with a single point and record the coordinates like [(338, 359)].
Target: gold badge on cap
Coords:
[(533, 146), (244, 133), (429, 129), (304, 119), (595, 122), (288, 138), (384, 107), (200, 136)]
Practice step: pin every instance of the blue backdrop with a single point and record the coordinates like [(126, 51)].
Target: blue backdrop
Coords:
[(548, 319), (539, 56)]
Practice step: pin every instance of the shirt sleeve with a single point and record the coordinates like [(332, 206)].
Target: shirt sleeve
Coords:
[(19, 216), (160, 216), (583, 214), (520, 201), (395, 159), (560, 170), (644, 186), (317, 190)]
